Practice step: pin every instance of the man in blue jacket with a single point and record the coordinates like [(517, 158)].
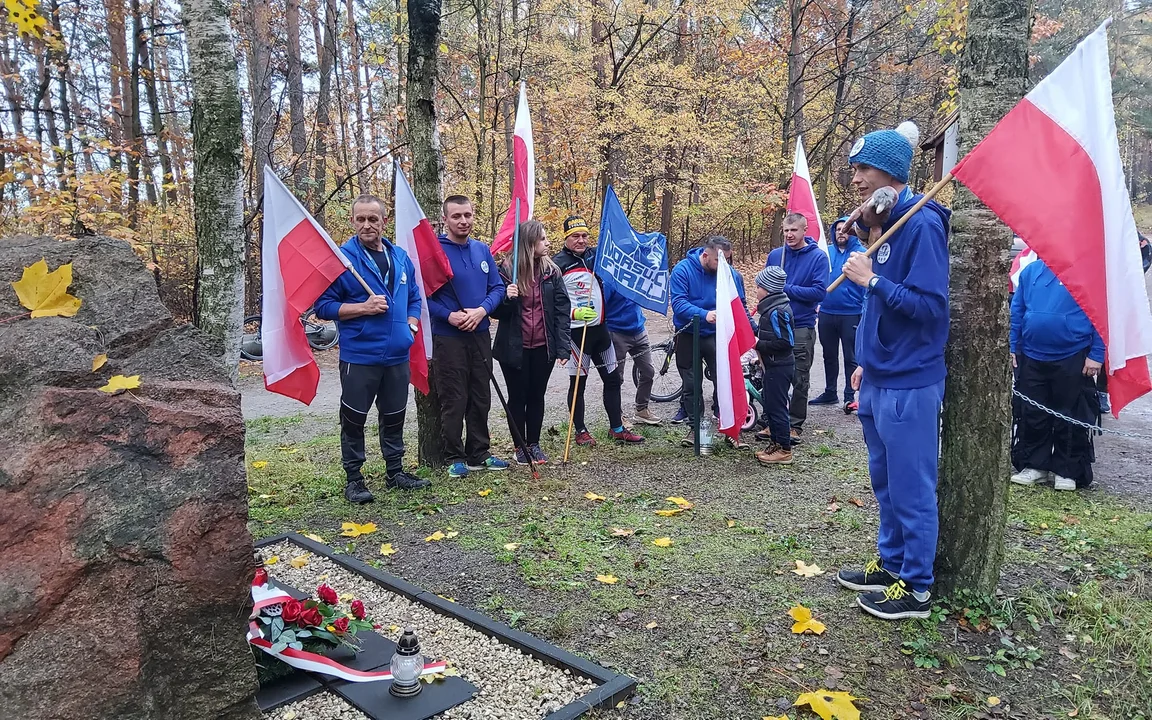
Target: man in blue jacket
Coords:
[(807, 268), (376, 331), (626, 324), (462, 343), (839, 316), (900, 380), (1057, 354)]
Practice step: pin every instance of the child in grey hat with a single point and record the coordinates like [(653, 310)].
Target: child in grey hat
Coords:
[(774, 342)]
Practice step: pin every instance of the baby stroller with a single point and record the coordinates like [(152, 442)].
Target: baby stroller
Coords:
[(754, 384)]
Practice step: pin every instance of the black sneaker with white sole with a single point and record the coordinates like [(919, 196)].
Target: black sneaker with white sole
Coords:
[(872, 578), (405, 481), (896, 602)]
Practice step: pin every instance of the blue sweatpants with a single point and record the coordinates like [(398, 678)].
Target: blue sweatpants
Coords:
[(901, 431)]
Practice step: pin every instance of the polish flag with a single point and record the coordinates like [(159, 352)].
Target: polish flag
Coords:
[(299, 261), (524, 175), (1021, 261), (1054, 162), (734, 337), (415, 235), (802, 199)]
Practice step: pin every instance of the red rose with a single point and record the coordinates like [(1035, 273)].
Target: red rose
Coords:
[(261, 577), (311, 618), (358, 610), (292, 610), (327, 594), (341, 625)]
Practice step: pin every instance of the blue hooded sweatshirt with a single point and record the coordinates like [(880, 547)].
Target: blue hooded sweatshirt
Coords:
[(1047, 324), (693, 292), (807, 270), (848, 298), (382, 339), (900, 342), (476, 280), (621, 314)]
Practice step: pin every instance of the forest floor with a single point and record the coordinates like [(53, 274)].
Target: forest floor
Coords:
[(703, 624)]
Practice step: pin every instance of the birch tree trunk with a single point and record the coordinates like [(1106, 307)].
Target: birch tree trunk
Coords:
[(974, 460), (217, 141)]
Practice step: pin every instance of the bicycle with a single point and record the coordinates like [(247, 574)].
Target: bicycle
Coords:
[(666, 385), (321, 334)]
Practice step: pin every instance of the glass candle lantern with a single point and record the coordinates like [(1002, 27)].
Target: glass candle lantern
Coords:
[(407, 665)]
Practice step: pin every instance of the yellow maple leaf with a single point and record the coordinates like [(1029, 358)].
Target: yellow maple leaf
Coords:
[(260, 464), (669, 513), (386, 549), (451, 534), (680, 503), (511, 547), (272, 560), (98, 361), (23, 14), (607, 579), (313, 537), (593, 496), (993, 701), (731, 523), (485, 492), (803, 569), (662, 542), (299, 561), (622, 532), (829, 705), (117, 383), (435, 537), (351, 529), (775, 717), (46, 293), (804, 622)]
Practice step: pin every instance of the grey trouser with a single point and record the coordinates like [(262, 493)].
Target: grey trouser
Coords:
[(360, 387), (638, 347), (803, 350)]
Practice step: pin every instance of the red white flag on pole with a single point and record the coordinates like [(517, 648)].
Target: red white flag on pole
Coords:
[(524, 175), (299, 261), (415, 235), (734, 337), (1055, 158), (802, 199), (1021, 261)]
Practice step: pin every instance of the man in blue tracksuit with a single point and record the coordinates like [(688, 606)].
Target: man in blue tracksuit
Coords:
[(376, 332), (462, 343), (839, 317), (900, 349), (1057, 354), (807, 268), (626, 324)]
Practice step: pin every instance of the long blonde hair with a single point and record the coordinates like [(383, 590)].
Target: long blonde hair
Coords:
[(531, 233)]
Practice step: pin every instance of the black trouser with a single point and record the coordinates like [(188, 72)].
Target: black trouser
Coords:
[(526, 387), (1042, 441), (360, 386), (803, 349), (605, 362), (838, 331), (777, 378), (462, 364), (688, 373)]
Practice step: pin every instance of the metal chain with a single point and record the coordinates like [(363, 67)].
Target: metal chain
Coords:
[(1099, 430)]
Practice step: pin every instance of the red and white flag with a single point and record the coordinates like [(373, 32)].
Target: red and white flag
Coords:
[(299, 261), (1054, 162), (1021, 261), (802, 199), (734, 337), (523, 175), (415, 235)]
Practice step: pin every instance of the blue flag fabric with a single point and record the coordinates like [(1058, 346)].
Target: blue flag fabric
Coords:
[(634, 264)]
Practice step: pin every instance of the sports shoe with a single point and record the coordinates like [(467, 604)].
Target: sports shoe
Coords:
[(825, 398), (689, 440), (1060, 482), (896, 602), (521, 457), (1031, 476), (584, 438), (680, 417), (851, 406), (537, 454), (457, 470), (873, 578), (626, 436), (404, 481), (492, 464), (736, 444), (357, 492), (645, 417), (1105, 406), (775, 456), (794, 433)]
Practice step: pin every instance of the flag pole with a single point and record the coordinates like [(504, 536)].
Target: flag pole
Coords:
[(361, 279), (899, 224), (575, 391), (516, 244)]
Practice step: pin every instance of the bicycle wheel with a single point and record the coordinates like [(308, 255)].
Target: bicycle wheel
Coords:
[(251, 345), (753, 414), (667, 385), (321, 334)]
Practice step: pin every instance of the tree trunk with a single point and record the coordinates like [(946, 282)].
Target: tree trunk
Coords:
[(427, 171), (118, 74), (355, 52), (260, 89), (218, 148), (323, 102), (974, 460), (297, 134), (168, 184)]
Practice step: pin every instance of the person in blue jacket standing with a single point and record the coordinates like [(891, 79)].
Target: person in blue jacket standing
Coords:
[(807, 268), (1057, 354), (376, 332), (900, 378), (839, 316)]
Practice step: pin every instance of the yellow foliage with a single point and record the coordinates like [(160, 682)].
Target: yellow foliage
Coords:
[(662, 542), (804, 622), (485, 493), (829, 705), (669, 513), (511, 547), (803, 569), (593, 497), (299, 561), (46, 293), (98, 361), (607, 579), (386, 549), (680, 503), (351, 529), (119, 383), (435, 537), (24, 15)]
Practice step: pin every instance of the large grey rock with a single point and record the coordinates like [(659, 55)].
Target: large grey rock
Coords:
[(126, 558)]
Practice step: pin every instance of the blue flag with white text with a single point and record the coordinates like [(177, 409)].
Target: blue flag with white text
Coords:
[(634, 264)]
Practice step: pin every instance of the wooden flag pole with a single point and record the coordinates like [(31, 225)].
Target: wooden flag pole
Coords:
[(575, 391), (362, 282), (516, 244), (898, 224)]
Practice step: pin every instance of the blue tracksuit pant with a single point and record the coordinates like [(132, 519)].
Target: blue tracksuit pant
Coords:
[(901, 429)]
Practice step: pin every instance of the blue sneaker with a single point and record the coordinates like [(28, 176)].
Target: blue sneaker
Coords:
[(681, 416), (492, 464), (458, 470)]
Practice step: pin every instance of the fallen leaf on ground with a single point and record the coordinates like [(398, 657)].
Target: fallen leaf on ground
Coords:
[(662, 542), (993, 701), (98, 361), (511, 547), (607, 579), (775, 717), (386, 549), (680, 503), (828, 704), (833, 507), (260, 464), (290, 715), (485, 492), (299, 561), (435, 537), (804, 622), (266, 496), (313, 537), (652, 625), (856, 502), (622, 532), (272, 560), (46, 293), (803, 569), (593, 496), (352, 529), (669, 513), (116, 383), (1070, 520), (731, 523), (451, 534)]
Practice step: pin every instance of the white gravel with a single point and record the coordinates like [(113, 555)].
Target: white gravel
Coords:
[(511, 685)]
